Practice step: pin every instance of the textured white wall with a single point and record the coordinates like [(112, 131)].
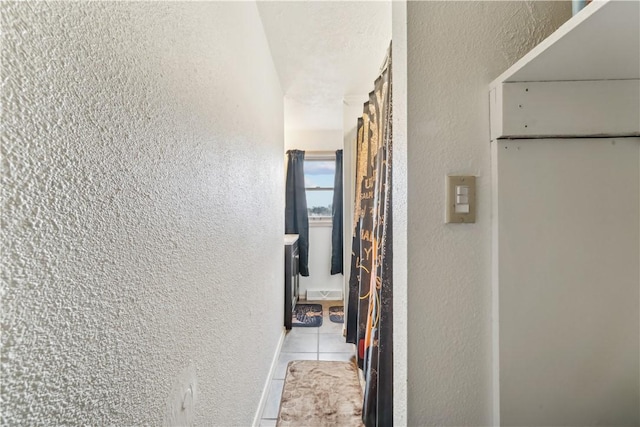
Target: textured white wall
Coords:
[(400, 184), (454, 50), (142, 213), (313, 139), (320, 277)]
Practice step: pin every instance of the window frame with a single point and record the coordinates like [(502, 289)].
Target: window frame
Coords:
[(319, 156)]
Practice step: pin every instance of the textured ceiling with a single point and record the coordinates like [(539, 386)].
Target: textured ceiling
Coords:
[(324, 51)]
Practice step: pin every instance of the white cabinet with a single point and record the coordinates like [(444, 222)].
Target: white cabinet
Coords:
[(565, 122)]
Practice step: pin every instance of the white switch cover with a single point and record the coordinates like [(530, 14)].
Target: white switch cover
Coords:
[(462, 190), (462, 208), (461, 199)]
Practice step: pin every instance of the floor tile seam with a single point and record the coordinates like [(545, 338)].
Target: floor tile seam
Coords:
[(308, 352), (334, 352)]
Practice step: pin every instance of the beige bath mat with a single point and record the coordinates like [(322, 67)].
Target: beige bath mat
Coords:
[(321, 393)]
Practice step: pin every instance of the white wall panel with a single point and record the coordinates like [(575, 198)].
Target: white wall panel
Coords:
[(566, 109), (568, 281)]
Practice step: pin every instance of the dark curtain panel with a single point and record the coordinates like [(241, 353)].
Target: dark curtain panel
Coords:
[(296, 219), (336, 220)]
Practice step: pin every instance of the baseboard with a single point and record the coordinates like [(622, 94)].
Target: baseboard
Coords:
[(267, 384), (321, 294)]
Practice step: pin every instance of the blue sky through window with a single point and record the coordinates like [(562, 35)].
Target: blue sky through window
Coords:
[(319, 173)]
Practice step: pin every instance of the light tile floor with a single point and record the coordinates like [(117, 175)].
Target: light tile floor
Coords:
[(323, 343)]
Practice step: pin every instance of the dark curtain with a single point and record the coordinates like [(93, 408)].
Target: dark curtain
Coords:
[(296, 218), (336, 220), (370, 311)]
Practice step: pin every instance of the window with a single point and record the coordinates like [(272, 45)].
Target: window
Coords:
[(319, 175)]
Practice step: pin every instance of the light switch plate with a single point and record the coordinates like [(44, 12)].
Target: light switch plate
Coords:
[(458, 217)]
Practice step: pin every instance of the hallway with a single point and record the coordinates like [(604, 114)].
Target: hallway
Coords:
[(143, 208), (323, 343)]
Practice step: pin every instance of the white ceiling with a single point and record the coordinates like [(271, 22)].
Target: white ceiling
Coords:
[(324, 51)]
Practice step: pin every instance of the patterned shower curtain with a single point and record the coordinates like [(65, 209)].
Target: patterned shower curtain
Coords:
[(370, 313)]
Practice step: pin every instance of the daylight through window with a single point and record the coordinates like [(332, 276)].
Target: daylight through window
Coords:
[(319, 175)]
